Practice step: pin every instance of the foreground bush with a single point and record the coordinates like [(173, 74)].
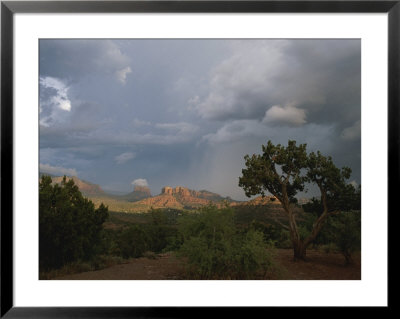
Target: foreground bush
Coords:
[(133, 242), (216, 250), (346, 233), (70, 228), (137, 239)]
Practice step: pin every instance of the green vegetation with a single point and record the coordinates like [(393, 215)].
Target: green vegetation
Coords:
[(70, 228), (232, 242), (216, 249), (76, 237), (343, 225), (342, 233), (284, 171), (135, 240), (346, 233)]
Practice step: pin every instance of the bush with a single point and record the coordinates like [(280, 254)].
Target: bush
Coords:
[(271, 231), (70, 228), (329, 248), (133, 242), (216, 250), (284, 241), (251, 254), (346, 233), (342, 234), (159, 236)]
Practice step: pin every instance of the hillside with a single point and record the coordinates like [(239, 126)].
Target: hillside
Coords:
[(139, 192), (259, 201), (87, 188)]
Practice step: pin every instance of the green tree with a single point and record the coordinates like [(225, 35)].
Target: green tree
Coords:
[(334, 191), (70, 228), (284, 171)]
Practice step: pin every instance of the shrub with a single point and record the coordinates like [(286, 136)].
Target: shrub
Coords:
[(284, 240), (133, 242), (216, 250), (346, 233), (139, 238), (159, 236), (251, 254), (70, 228), (329, 248), (271, 231)]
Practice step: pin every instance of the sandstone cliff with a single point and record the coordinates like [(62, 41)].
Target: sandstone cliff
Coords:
[(178, 197)]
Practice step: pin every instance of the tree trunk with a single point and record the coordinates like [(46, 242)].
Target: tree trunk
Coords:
[(348, 258), (299, 250), (299, 247)]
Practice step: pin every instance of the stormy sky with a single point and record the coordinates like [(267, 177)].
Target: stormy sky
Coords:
[(185, 112)]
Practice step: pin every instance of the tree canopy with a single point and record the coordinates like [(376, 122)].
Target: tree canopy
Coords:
[(278, 171)]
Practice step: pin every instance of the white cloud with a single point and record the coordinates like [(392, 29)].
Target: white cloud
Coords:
[(140, 182), (54, 100), (285, 115), (60, 99), (353, 132), (124, 157), (122, 74), (57, 170)]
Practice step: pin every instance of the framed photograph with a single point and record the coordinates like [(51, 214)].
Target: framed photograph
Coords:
[(163, 155)]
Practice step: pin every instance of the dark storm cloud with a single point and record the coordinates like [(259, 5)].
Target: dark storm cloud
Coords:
[(185, 112), (72, 59), (319, 77)]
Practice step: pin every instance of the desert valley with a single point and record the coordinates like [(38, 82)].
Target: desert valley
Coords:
[(143, 237), (140, 200)]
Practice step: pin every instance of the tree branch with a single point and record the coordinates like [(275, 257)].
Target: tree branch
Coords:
[(282, 224)]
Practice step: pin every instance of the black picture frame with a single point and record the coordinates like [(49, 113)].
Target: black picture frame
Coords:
[(9, 8)]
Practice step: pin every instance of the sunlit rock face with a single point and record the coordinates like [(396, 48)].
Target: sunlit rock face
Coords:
[(166, 190), (181, 191)]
